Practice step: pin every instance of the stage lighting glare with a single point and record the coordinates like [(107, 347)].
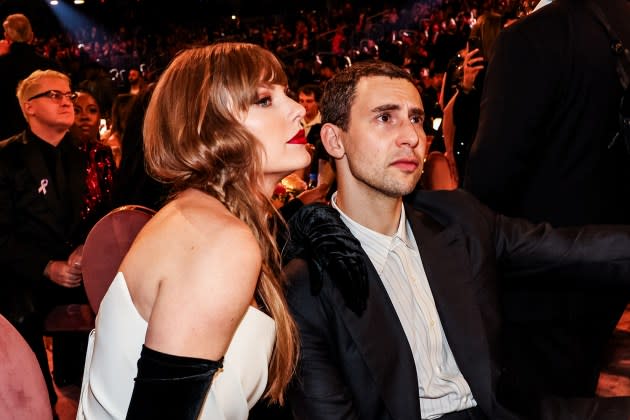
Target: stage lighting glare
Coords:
[(233, 17), (79, 1), (54, 2)]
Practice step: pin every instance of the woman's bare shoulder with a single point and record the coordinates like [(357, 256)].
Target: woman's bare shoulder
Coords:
[(193, 239), (210, 265), (204, 229)]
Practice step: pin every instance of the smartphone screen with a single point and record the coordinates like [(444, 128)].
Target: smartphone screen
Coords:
[(102, 128)]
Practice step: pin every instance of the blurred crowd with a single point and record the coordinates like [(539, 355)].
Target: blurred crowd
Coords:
[(102, 79), (313, 44)]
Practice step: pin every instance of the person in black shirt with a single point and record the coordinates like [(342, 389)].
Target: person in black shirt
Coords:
[(42, 186)]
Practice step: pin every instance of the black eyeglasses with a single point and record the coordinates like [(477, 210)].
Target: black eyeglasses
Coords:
[(55, 95)]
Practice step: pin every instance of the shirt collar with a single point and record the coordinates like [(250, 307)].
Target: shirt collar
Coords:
[(376, 245), (316, 120)]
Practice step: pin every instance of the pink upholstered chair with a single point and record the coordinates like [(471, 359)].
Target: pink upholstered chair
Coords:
[(23, 393), (105, 247)]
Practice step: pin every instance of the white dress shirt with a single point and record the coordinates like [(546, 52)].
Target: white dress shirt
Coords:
[(441, 386)]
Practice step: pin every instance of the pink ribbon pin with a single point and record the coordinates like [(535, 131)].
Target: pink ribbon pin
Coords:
[(42, 186)]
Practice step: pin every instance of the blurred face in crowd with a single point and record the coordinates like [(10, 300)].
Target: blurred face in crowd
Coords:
[(436, 81), (310, 105), (133, 77), (87, 117), (52, 107), (274, 119), (382, 151)]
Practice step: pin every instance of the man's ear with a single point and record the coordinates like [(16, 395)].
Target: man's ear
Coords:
[(331, 136), (27, 107)]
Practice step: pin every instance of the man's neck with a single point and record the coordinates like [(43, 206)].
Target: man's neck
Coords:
[(376, 212), (51, 135), (307, 120)]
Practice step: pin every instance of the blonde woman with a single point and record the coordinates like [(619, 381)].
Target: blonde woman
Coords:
[(198, 302)]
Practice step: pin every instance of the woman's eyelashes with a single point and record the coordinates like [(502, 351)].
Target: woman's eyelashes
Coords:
[(264, 101), (266, 94)]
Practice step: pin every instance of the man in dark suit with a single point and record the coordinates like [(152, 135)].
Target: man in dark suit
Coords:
[(20, 61), (544, 151), (397, 304), (42, 185)]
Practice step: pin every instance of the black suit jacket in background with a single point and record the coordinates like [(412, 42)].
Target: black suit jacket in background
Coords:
[(35, 227), (549, 111), (361, 367)]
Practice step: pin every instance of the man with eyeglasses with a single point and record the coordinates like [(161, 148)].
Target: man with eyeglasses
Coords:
[(42, 185)]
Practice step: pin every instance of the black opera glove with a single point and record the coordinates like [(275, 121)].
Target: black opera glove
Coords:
[(169, 386), (318, 234)]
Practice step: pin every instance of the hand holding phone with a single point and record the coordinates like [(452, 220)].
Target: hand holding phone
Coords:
[(474, 62), (474, 43)]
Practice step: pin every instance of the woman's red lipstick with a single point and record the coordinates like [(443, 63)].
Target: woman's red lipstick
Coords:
[(299, 138)]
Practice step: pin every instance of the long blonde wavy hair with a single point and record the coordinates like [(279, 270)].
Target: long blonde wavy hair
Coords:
[(193, 138)]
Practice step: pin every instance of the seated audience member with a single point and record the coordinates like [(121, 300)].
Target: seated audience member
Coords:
[(396, 303), (200, 293), (136, 81), (308, 97), (42, 188), (100, 171)]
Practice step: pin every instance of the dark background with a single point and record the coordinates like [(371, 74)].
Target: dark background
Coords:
[(115, 13)]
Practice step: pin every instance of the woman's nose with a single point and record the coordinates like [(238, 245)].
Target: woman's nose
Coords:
[(300, 110)]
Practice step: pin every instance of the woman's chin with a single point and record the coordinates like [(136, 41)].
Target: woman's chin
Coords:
[(306, 160)]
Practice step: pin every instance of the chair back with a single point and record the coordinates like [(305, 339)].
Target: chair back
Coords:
[(23, 392), (105, 247)]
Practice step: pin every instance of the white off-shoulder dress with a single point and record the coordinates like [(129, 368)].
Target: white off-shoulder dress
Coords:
[(114, 349)]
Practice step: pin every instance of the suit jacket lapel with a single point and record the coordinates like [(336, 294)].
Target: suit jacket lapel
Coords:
[(446, 263), (380, 338)]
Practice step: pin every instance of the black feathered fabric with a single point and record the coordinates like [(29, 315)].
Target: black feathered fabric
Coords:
[(318, 235)]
